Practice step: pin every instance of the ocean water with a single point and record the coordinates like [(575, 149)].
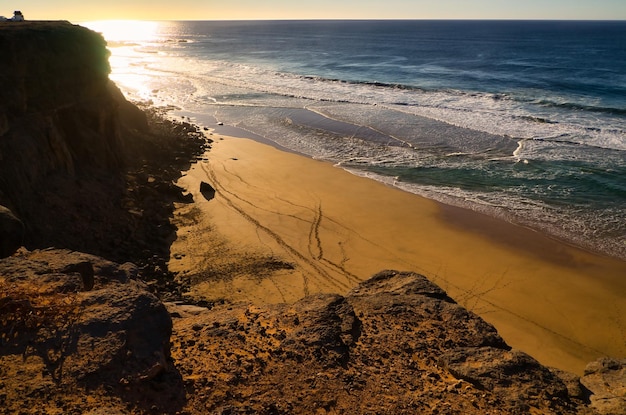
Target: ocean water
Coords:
[(525, 121)]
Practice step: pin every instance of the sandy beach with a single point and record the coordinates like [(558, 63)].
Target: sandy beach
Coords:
[(282, 226)]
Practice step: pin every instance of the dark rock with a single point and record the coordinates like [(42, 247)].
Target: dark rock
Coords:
[(207, 190), (186, 198), (575, 389), (606, 379), (118, 330), (11, 232), (123, 333), (511, 374)]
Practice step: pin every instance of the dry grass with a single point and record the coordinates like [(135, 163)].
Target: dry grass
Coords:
[(26, 310)]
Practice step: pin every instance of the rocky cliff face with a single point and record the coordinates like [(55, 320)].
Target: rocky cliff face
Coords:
[(59, 118), (57, 114), (79, 165)]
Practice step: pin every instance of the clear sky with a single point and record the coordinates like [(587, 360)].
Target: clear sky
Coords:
[(84, 10)]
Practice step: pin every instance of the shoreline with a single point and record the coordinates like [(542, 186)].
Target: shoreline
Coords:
[(282, 226), (449, 201)]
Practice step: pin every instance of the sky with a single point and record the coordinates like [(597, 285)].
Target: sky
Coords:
[(86, 10)]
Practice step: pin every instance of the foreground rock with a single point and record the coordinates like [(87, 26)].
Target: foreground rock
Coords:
[(606, 379), (396, 344), (82, 335), (71, 321)]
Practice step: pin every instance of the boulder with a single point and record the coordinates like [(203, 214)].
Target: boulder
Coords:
[(606, 379), (86, 320), (512, 375), (207, 190)]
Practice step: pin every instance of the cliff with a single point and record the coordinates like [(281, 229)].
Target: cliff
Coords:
[(57, 114), (80, 166)]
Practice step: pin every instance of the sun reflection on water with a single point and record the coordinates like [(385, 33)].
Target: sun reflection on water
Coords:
[(127, 41)]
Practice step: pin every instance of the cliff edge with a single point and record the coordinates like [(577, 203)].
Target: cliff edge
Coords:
[(81, 334)]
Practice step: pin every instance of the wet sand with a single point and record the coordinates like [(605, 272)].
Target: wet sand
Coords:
[(282, 226)]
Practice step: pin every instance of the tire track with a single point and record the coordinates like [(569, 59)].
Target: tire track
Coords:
[(470, 294), (315, 243), (277, 238)]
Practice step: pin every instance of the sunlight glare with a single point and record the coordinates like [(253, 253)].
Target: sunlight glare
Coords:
[(125, 39), (125, 30)]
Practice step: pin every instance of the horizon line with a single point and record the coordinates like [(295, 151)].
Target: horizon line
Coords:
[(349, 19)]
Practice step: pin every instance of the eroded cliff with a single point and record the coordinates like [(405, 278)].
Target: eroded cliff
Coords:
[(79, 165), (57, 114)]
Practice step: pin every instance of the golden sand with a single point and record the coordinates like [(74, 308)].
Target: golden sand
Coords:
[(282, 226)]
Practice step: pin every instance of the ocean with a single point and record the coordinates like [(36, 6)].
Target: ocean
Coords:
[(521, 120)]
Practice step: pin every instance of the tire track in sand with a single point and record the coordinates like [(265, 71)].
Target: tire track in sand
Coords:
[(277, 238)]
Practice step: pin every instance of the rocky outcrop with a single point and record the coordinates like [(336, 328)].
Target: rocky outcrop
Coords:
[(606, 380), (57, 333), (395, 344), (58, 115), (60, 123)]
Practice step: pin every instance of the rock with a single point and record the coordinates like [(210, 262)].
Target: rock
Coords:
[(123, 333), (11, 232), (184, 310), (327, 327), (575, 389), (399, 294), (117, 330), (511, 374), (207, 190), (185, 198), (399, 283), (395, 344), (606, 379)]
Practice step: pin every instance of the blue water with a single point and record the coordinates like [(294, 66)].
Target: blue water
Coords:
[(521, 120)]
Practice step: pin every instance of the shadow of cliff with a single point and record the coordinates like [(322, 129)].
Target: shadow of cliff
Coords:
[(120, 211)]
